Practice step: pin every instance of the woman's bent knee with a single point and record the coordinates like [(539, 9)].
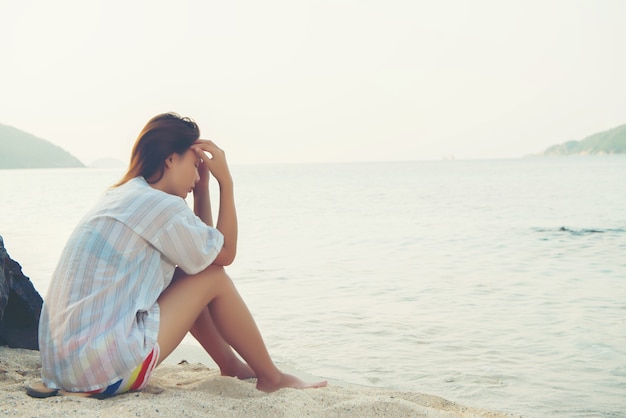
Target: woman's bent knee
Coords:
[(215, 274), (213, 269)]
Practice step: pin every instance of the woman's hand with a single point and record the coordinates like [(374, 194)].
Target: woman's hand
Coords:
[(214, 162)]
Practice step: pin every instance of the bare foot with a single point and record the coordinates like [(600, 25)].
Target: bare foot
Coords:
[(238, 369), (286, 381)]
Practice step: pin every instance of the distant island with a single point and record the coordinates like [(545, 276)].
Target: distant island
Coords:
[(612, 141), (19, 149)]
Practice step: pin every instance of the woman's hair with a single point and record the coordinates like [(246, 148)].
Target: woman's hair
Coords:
[(162, 136)]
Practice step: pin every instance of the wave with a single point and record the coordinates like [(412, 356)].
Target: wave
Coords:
[(581, 231)]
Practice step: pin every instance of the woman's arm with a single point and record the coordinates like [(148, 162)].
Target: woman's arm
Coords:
[(201, 195), (227, 215)]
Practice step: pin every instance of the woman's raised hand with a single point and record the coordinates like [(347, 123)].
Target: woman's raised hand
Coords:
[(214, 162)]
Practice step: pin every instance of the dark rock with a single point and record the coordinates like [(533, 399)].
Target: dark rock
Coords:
[(20, 305)]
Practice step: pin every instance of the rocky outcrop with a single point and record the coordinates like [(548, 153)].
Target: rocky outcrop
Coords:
[(20, 305)]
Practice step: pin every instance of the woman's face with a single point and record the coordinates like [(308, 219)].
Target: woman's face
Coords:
[(183, 171)]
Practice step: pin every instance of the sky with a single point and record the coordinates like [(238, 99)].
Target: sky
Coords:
[(291, 81)]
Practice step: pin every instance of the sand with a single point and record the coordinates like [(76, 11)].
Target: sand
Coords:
[(193, 389)]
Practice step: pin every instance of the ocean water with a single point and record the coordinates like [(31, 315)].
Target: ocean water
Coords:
[(499, 284)]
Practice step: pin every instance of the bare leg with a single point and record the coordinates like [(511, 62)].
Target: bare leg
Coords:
[(184, 300), (208, 336), (205, 332)]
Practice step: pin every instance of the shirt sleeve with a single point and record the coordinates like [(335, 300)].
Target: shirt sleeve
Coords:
[(189, 243)]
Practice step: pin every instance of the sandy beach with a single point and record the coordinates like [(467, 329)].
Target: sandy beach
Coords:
[(193, 389)]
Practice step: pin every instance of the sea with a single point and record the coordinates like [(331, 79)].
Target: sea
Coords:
[(499, 284)]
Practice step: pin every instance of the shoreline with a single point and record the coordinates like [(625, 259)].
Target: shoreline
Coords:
[(183, 388)]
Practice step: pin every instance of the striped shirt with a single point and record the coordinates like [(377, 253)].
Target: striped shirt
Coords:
[(100, 317)]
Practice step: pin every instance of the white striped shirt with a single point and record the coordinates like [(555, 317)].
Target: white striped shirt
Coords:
[(100, 317)]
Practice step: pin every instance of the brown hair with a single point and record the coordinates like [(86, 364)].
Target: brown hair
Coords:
[(162, 136)]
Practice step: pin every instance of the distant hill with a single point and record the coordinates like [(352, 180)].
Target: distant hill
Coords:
[(612, 141), (19, 149)]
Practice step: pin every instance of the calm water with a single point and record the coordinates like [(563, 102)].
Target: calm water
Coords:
[(497, 284)]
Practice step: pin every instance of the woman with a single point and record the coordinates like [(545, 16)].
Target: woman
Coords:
[(141, 270)]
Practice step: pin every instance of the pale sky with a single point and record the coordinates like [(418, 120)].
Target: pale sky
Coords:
[(311, 81)]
